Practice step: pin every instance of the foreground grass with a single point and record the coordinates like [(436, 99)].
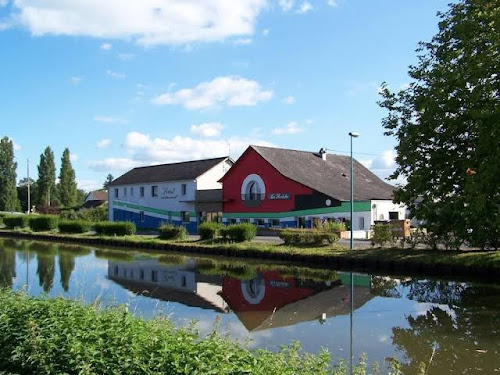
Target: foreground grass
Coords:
[(42, 336), (471, 258)]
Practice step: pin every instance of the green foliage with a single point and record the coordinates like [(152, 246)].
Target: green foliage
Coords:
[(8, 191), (94, 215), (67, 183), (382, 233), (46, 178), (308, 236), (447, 127), (74, 226), (238, 232), (42, 223), (22, 193), (16, 221), (41, 336), (171, 232), (209, 230), (109, 179), (109, 228)]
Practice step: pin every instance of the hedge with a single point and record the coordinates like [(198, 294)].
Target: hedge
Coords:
[(16, 221), (170, 232), (109, 228), (42, 336), (43, 223), (307, 237), (74, 226), (239, 232), (209, 230), (382, 233)]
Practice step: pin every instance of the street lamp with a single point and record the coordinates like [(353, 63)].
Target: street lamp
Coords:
[(352, 135)]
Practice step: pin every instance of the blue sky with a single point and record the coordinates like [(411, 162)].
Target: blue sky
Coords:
[(126, 83)]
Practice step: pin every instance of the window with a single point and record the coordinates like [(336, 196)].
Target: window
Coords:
[(131, 191), (275, 222), (244, 220), (183, 281), (232, 221), (141, 274), (116, 215), (361, 223), (183, 189), (185, 216), (154, 276), (141, 191), (141, 214), (154, 191), (124, 191), (260, 222), (393, 215), (116, 270), (116, 193)]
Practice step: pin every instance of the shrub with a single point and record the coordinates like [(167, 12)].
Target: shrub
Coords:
[(239, 232), (16, 221), (335, 226), (109, 228), (42, 223), (382, 233), (94, 215), (307, 236), (209, 230), (171, 232), (74, 226)]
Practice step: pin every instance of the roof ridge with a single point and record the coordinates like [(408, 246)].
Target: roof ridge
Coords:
[(181, 162)]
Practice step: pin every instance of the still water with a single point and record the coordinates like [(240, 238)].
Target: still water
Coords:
[(453, 326)]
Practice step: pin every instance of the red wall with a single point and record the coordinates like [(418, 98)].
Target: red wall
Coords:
[(251, 162)]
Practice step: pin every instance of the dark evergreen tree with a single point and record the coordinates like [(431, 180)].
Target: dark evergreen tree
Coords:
[(67, 183), (447, 124), (46, 178), (22, 193), (8, 191), (109, 178)]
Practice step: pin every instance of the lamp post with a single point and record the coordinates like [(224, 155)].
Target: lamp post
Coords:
[(352, 135)]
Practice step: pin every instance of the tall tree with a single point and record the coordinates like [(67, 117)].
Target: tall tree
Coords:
[(46, 178), (8, 191), (67, 182), (109, 178), (447, 124), (22, 192)]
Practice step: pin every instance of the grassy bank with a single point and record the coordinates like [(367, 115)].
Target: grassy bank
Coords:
[(485, 264), (41, 336)]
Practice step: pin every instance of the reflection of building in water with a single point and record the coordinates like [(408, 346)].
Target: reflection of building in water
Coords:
[(169, 283), (270, 301)]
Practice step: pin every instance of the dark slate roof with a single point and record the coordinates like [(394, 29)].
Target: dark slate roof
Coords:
[(330, 176), (188, 170)]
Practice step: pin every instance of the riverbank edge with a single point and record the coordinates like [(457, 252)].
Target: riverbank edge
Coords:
[(440, 263)]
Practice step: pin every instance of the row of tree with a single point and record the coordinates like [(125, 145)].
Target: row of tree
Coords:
[(44, 192)]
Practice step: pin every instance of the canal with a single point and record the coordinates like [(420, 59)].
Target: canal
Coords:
[(451, 326)]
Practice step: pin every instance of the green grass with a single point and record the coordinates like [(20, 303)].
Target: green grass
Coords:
[(57, 336)]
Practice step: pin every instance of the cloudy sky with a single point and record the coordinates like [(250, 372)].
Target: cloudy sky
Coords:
[(125, 83)]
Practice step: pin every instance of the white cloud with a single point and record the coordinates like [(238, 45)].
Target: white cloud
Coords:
[(332, 3), (291, 128), (3, 3), (106, 46), (16, 146), (126, 56), (305, 7), (265, 32), (229, 90), (75, 80), (207, 129), (386, 161), (286, 5), (309, 121), (114, 164), (114, 74), (103, 143), (242, 41), (73, 157), (288, 100), (88, 185), (110, 120), (145, 22)]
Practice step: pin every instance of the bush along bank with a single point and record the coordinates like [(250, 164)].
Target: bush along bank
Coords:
[(481, 265), (42, 336)]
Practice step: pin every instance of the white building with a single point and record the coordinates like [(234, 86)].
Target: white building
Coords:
[(179, 193)]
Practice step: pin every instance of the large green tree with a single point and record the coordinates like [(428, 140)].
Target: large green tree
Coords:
[(46, 178), (8, 191), (447, 124), (67, 183)]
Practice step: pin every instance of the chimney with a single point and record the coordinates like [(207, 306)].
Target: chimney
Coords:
[(322, 153)]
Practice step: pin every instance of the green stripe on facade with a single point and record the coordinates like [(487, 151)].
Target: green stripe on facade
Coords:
[(151, 209), (361, 206)]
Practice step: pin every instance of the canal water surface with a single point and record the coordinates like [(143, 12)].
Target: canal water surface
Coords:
[(451, 326)]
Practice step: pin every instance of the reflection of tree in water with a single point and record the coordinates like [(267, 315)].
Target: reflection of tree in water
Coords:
[(385, 286), (7, 267), (45, 270), (473, 323), (66, 267)]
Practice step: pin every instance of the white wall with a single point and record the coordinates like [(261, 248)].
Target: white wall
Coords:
[(381, 208), (209, 179)]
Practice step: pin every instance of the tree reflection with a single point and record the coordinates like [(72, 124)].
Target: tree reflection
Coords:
[(7, 267), (45, 270), (66, 267), (464, 336)]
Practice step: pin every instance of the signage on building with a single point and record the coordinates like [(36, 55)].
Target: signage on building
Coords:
[(279, 196), (168, 193)]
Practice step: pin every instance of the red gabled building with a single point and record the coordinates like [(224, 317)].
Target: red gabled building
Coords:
[(289, 188)]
